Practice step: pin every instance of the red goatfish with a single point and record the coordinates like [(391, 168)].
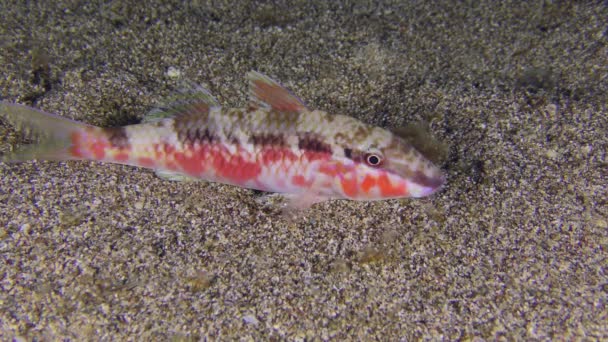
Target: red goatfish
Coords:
[(274, 144)]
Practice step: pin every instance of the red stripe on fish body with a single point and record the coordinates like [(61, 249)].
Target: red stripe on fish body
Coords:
[(90, 143)]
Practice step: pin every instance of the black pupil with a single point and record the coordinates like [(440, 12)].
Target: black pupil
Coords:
[(373, 160)]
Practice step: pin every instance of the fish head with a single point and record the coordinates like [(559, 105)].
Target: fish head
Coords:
[(406, 165), (380, 165)]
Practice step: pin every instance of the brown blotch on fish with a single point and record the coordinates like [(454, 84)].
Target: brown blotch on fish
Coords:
[(362, 131), (197, 135), (117, 136), (191, 130), (237, 114), (233, 139), (268, 139), (282, 121), (311, 142), (341, 138), (191, 125), (355, 155), (423, 179), (348, 153)]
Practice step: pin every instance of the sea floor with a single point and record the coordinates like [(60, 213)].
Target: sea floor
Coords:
[(514, 246)]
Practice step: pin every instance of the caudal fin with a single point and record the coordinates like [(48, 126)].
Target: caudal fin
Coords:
[(52, 134)]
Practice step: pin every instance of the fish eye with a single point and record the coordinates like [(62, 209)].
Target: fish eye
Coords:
[(373, 159)]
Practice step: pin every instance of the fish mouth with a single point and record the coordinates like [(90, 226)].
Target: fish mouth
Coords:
[(422, 184)]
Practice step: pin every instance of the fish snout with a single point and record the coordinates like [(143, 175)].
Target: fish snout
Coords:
[(425, 181)]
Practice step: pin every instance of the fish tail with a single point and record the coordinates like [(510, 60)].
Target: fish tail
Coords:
[(53, 135)]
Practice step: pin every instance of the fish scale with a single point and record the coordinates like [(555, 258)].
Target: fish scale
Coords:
[(274, 144)]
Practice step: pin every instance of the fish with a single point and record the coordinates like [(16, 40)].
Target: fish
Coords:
[(274, 143)]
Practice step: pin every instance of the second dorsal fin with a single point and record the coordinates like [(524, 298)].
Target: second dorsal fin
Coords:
[(192, 99), (264, 92)]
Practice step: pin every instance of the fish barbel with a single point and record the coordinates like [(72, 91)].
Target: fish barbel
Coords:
[(274, 144)]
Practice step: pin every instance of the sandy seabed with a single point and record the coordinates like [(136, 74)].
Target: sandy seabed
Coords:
[(513, 247)]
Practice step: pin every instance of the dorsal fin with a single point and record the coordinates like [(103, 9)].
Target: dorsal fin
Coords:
[(267, 93), (191, 99)]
